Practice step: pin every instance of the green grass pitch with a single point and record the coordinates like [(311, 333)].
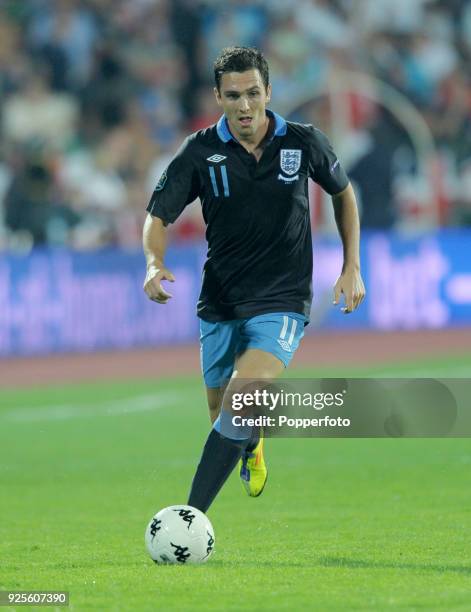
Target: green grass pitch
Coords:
[(342, 525)]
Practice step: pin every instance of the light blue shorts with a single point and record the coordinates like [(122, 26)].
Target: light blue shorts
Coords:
[(277, 333)]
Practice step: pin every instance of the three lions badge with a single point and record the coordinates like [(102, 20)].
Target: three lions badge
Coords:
[(290, 163)]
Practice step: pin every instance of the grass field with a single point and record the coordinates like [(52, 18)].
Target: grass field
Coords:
[(343, 524)]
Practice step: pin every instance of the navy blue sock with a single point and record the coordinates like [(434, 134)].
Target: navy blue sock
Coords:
[(220, 455)]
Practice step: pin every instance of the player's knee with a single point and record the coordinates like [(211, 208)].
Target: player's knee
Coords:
[(258, 364), (214, 397)]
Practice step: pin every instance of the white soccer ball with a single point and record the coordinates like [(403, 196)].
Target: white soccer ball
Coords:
[(180, 534)]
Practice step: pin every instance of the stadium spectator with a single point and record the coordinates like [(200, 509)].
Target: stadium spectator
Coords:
[(67, 28), (34, 111), (34, 207)]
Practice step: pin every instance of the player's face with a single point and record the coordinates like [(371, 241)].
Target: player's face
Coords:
[(243, 98)]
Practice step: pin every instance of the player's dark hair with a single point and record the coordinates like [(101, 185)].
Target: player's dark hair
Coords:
[(240, 59)]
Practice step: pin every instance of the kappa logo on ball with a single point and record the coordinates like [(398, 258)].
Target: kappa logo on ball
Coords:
[(216, 158), (180, 535)]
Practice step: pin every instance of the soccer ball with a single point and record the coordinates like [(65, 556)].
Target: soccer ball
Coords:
[(181, 535)]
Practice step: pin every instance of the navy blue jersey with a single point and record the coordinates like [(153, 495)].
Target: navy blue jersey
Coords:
[(257, 215)]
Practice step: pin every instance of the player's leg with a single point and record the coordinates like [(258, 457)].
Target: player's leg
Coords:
[(219, 343), (218, 347), (257, 364), (278, 335), (226, 443)]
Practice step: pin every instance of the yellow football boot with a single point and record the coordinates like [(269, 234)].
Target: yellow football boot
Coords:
[(253, 471)]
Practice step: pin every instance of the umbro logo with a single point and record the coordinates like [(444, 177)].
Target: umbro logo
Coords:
[(216, 158), (284, 345)]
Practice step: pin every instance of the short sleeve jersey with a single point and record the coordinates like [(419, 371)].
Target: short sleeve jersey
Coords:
[(257, 218)]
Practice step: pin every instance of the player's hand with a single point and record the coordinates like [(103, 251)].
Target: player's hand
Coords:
[(351, 285), (153, 287)]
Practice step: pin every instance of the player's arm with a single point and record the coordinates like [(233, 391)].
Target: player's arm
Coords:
[(349, 282), (326, 170), (154, 241), (177, 187)]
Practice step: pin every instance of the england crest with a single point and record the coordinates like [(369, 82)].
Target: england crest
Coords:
[(290, 161)]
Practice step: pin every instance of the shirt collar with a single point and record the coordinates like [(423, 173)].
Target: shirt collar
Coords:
[(225, 134)]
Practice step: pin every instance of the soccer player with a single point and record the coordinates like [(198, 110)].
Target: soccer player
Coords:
[(251, 172)]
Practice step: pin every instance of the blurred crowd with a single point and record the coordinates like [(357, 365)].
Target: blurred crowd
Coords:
[(96, 95)]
